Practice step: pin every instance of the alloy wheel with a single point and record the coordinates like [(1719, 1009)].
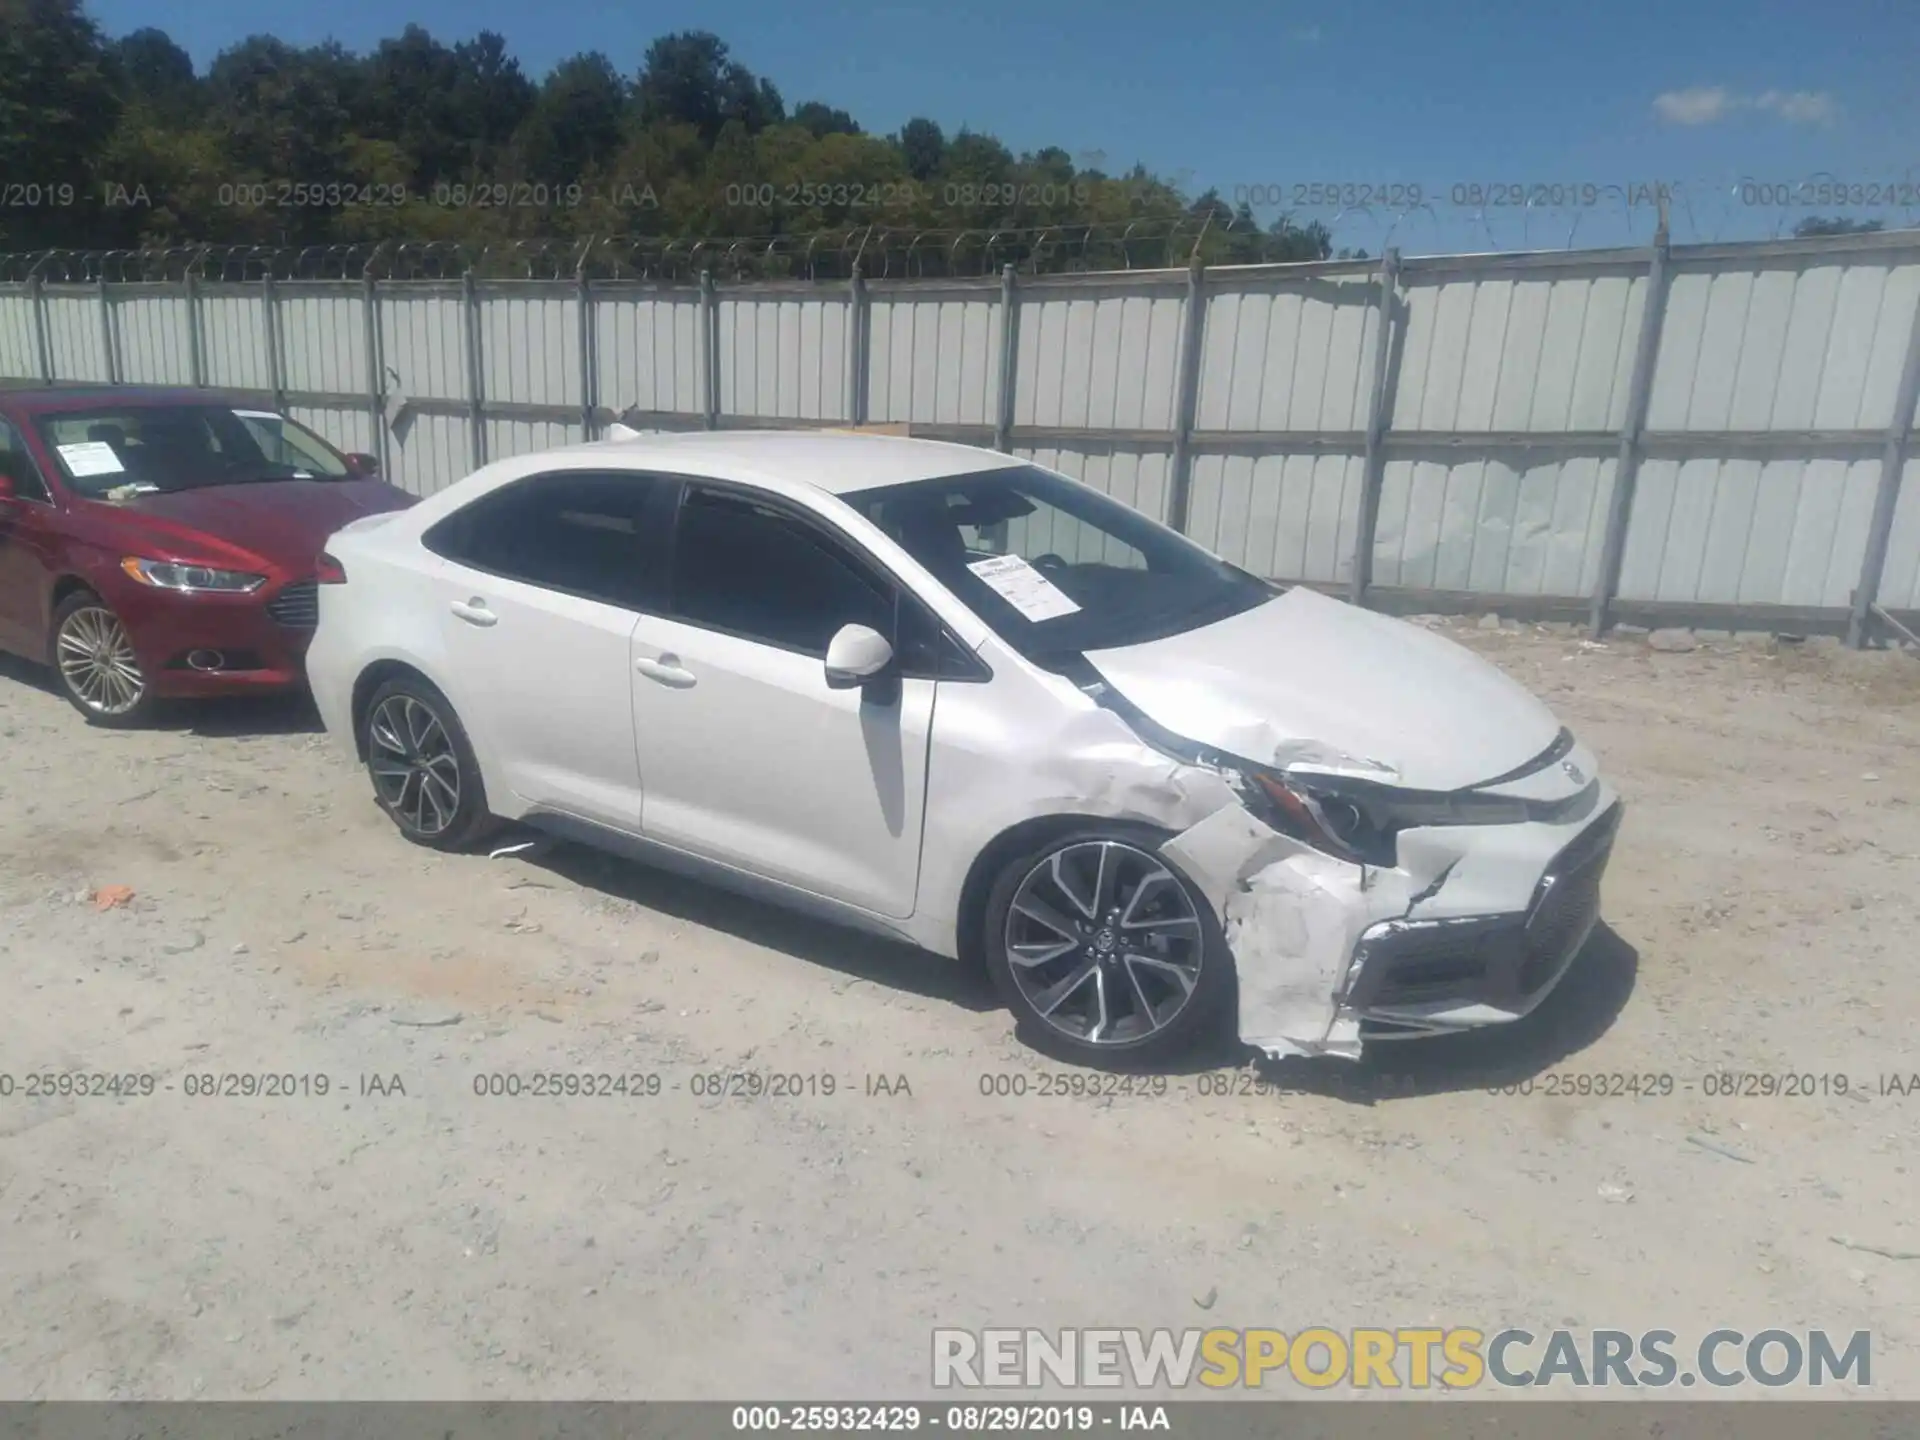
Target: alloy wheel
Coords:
[(97, 662), (415, 770), (1104, 942)]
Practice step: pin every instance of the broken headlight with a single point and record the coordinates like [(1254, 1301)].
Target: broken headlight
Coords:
[(1355, 820), (1360, 821)]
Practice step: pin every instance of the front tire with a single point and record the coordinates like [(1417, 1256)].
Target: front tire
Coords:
[(99, 673), (1105, 953), (422, 766)]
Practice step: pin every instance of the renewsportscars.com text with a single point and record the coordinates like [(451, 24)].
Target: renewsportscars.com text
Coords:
[(1459, 1358)]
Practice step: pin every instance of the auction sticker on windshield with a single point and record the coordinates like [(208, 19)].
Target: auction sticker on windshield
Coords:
[(1023, 587), (90, 457)]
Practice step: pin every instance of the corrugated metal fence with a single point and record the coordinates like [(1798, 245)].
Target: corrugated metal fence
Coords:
[(1708, 434)]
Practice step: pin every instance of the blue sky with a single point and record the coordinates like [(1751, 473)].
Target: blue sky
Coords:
[(1696, 93)]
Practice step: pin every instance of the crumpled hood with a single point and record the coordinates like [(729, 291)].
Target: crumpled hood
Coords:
[(1309, 681)]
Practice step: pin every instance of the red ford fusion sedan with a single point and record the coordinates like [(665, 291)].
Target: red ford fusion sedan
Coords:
[(159, 543)]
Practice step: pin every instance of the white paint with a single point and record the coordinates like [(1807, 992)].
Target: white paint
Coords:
[(741, 756), (91, 457), (856, 652), (1023, 587), (1311, 683)]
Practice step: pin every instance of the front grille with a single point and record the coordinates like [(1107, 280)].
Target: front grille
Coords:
[(1569, 902), (297, 606), (1569, 909)]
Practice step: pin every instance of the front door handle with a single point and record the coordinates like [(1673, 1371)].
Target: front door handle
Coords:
[(667, 671), (474, 611)]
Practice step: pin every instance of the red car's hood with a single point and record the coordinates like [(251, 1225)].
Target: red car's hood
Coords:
[(285, 521)]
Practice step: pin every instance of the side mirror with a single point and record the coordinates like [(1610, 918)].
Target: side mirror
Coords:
[(360, 463), (7, 491), (856, 655)]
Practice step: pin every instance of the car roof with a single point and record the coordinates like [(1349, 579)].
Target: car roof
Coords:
[(836, 461), (46, 400)]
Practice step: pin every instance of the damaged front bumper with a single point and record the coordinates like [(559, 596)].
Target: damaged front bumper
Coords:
[(1473, 926)]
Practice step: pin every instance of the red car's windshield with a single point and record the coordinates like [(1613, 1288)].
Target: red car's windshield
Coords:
[(139, 449)]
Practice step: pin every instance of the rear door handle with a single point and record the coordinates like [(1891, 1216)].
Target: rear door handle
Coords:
[(667, 671), (474, 611)]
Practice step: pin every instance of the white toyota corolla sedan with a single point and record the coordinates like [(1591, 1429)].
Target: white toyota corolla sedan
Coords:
[(951, 696)]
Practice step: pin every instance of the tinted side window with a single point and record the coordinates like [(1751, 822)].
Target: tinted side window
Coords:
[(584, 534), (17, 465), (754, 570)]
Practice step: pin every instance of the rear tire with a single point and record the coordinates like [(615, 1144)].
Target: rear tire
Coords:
[(422, 766), (1107, 955), (93, 660)]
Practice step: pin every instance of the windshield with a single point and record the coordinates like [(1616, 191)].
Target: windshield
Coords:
[(139, 449), (1057, 568)]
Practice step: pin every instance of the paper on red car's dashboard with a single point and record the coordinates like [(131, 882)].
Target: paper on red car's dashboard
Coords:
[(90, 457), (1023, 587)]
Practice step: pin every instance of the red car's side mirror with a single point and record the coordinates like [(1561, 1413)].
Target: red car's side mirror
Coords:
[(7, 492), (360, 463)]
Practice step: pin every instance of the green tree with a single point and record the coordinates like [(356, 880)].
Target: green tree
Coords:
[(153, 72), (823, 120), (577, 124), (924, 146), (695, 148), (58, 109), (283, 110), (688, 79), (490, 99)]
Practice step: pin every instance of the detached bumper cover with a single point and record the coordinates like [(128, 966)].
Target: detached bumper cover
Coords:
[(1474, 927)]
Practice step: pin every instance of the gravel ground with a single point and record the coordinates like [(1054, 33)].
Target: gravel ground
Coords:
[(432, 1242)]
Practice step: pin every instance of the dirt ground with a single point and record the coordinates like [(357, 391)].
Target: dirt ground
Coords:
[(1760, 917)]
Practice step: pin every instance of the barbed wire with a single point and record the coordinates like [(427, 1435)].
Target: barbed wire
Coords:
[(1493, 217), (881, 252)]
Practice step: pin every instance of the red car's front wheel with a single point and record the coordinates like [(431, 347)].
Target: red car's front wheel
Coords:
[(93, 655)]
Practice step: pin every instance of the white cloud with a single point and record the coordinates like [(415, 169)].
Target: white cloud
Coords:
[(1709, 104), (1701, 105), (1802, 107)]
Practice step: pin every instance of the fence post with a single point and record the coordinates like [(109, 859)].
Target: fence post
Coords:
[(589, 351), (1186, 396), (1373, 469), (476, 400), (1886, 499), (106, 332), (709, 351), (1626, 465), (270, 321), (376, 372), (857, 347), (1009, 360), (196, 355), (42, 341)]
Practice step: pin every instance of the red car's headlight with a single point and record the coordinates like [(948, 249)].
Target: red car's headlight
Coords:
[(190, 579)]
